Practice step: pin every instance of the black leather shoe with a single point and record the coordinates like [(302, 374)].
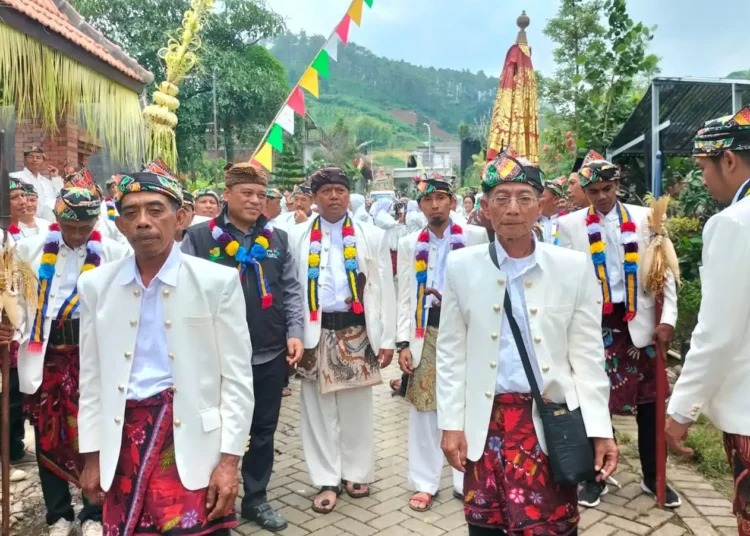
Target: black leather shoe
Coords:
[(265, 516)]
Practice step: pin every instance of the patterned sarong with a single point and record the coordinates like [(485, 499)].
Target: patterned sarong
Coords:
[(421, 390), (342, 360), (631, 370), (738, 451), (511, 486), (147, 496), (53, 411)]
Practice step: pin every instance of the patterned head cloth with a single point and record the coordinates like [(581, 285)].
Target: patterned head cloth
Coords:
[(273, 193), (203, 192), (111, 180), (28, 189), (81, 179), (187, 198), (245, 173), (35, 149), (159, 167), (77, 204), (595, 168), (730, 133), (508, 166), (147, 182), (305, 188), (434, 183), (558, 186), (16, 185), (328, 175)]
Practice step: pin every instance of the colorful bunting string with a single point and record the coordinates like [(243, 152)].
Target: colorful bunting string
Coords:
[(355, 12), (310, 82)]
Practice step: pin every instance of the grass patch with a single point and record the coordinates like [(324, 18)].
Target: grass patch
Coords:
[(708, 444)]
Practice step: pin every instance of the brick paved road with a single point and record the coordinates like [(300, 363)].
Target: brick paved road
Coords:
[(704, 512)]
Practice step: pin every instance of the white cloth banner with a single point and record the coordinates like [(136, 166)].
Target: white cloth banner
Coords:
[(286, 119)]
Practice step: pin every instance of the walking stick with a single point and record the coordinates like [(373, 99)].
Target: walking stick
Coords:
[(661, 410), (5, 348)]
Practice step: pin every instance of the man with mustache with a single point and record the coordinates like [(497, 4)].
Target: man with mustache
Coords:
[(48, 360), (242, 238)]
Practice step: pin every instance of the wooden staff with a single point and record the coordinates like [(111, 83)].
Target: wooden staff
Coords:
[(661, 410), (5, 348)]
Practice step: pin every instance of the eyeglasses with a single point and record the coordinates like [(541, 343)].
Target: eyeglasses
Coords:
[(523, 201)]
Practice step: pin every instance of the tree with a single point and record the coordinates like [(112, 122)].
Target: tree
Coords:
[(250, 83), (289, 170)]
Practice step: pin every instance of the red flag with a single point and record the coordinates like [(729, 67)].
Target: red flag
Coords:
[(343, 29), (297, 101)]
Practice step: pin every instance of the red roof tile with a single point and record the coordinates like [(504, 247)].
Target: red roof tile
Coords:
[(46, 13)]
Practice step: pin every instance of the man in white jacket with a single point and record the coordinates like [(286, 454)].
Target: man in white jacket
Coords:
[(715, 380)]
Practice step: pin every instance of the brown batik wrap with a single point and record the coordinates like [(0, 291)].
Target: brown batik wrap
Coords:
[(422, 388)]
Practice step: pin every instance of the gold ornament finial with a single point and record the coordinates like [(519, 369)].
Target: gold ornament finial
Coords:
[(523, 22)]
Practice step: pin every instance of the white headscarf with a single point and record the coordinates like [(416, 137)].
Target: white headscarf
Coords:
[(380, 205), (357, 200), (412, 206)]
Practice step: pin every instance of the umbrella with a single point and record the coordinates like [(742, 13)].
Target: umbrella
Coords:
[(515, 118)]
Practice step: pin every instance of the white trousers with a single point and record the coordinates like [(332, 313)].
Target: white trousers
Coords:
[(425, 455), (337, 434)]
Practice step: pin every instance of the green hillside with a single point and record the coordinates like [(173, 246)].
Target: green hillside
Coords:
[(363, 87)]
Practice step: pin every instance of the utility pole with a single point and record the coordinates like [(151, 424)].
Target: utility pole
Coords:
[(216, 134), (429, 144)]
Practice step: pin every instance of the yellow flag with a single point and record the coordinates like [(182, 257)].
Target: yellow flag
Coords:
[(265, 157), (355, 12), (310, 82)]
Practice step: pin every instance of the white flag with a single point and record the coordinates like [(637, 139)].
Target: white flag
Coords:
[(286, 119), (332, 47)]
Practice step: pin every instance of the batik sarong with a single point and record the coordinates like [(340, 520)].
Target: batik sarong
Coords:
[(511, 486), (53, 411), (147, 496), (738, 451), (343, 359), (422, 388), (631, 370)]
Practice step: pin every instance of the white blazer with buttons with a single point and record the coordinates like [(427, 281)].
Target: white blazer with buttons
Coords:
[(374, 261), (407, 285), (210, 352), (574, 235), (30, 250), (715, 379), (565, 323)]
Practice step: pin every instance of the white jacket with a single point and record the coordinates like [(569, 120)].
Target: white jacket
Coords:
[(565, 323), (715, 379), (374, 261), (574, 235), (407, 287), (210, 353)]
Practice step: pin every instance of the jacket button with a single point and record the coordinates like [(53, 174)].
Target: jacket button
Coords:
[(58, 274), (500, 282), (177, 422), (81, 254), (533, 310), (174, 388), (496, 307), (51, 295), (63, 253), (168, 323), (537, 340), (121, 388), (128, 355), (494, 336), (171, 355), (488, 394), (136, 293), (165, 292), (527, 283), (431, 267), (598, 302), (493, 364), (545, 368), (118, 420), (133, 322)]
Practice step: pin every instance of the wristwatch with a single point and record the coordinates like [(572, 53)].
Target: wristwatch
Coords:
[(402, 345)]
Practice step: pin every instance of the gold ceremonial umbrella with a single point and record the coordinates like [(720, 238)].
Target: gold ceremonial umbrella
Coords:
[(515, 119)]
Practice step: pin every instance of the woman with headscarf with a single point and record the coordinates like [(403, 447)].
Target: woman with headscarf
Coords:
[(359, 208), (381, 217), (415, 220)]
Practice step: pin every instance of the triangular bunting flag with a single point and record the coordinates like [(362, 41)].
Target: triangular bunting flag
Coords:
[(276, 138), (369, 2), (355, 12), (343, 29), (332, 47), (286, 119), (310, 82), (297, 101), (265, 157), (321, 64)]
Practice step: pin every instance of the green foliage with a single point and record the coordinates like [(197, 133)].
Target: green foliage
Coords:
[(206, 173), (694, 199), (473, 174), (688, 305), (289, 170)]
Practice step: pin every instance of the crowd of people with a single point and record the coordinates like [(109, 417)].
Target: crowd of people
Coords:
[(166, 324)]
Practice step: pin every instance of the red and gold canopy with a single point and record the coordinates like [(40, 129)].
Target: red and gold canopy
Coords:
[(515, 119)]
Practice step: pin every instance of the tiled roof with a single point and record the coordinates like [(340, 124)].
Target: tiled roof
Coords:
[(62, 19)]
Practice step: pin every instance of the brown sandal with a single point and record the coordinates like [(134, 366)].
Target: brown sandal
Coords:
[(356, 487), (335, 489), (428, 503)]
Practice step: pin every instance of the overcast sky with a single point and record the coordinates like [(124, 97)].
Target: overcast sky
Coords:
[(692, 38)]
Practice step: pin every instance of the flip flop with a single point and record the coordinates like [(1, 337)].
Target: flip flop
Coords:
[(336, 489), (356, 487), (424, 508)]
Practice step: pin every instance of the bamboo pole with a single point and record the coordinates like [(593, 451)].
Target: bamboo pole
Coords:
[(661, 410)]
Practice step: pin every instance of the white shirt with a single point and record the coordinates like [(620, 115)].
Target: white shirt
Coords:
[(511, 377), (152, 371), (333, 283), (443, 246), (46, 189), (737, 195), (549, 227), (40, 225), (613, 252), (74, 259)]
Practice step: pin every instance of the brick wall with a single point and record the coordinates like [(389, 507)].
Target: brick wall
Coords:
[(61, 146)]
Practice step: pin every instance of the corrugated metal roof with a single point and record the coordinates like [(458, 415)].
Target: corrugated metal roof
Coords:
[(687, 103)]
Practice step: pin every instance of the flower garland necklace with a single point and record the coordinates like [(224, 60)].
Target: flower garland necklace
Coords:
[(111, 210), (350, 264), (420, 265), (629, 241), (47, 272), (15, 232), (257, 253)]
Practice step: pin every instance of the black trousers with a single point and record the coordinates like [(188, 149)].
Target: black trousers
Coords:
[(58, 500), (257, 463), (646, 419), (404, 384), (482, 531), (17, 432)]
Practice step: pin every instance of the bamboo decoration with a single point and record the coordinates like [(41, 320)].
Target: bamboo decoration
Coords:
[(179, 57), (660, 255)]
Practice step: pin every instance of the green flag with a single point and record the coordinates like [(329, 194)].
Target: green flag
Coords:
[(276, 138), (369, 2), (321, 64)]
